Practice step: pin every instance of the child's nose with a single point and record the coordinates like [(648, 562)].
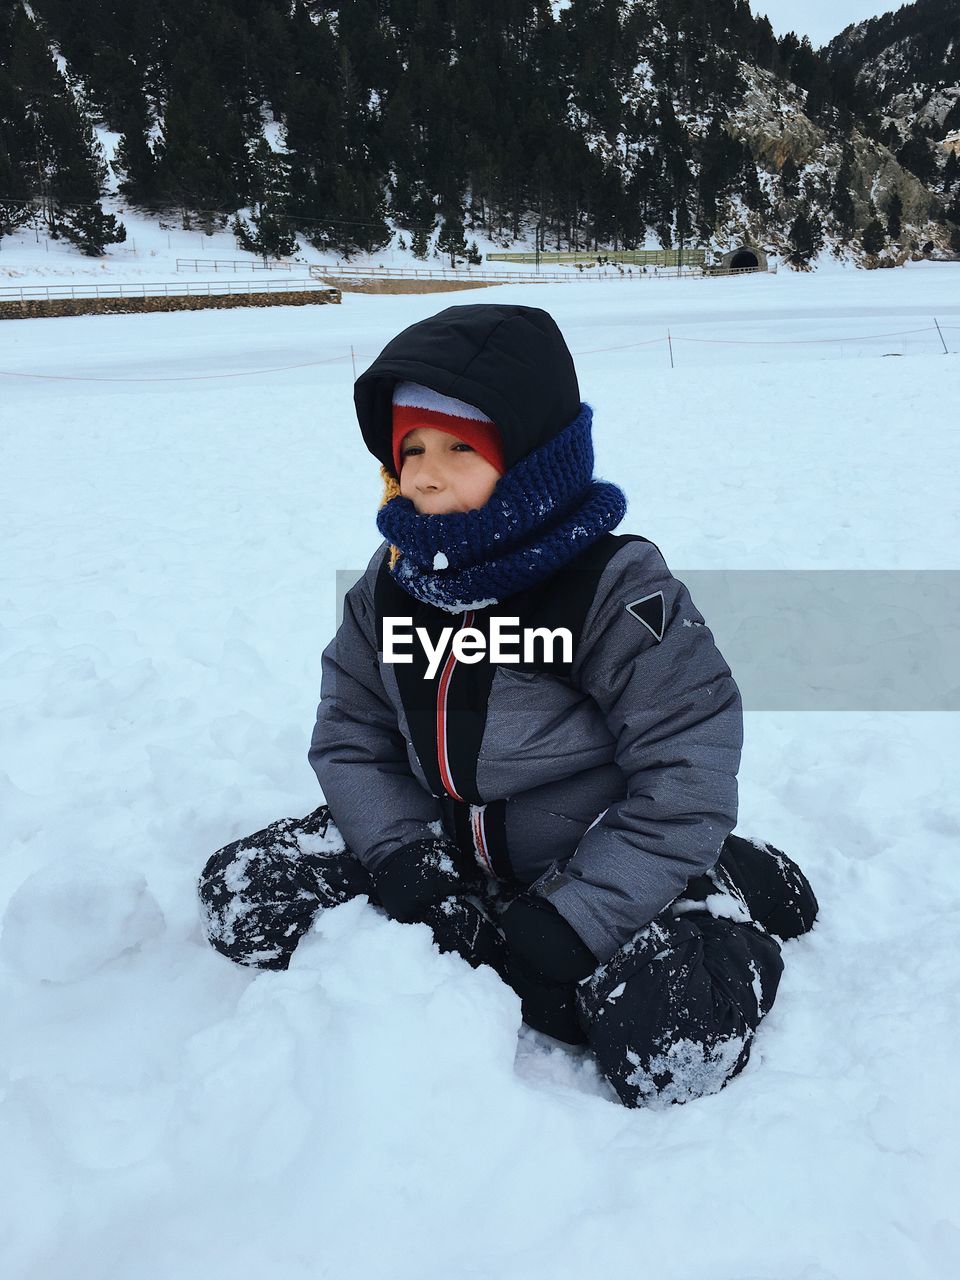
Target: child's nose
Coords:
[(428, 476)]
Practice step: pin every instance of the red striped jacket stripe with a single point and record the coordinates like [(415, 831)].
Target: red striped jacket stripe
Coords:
[(442, 686)]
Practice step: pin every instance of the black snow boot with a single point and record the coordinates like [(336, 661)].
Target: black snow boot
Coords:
[(259, 895)]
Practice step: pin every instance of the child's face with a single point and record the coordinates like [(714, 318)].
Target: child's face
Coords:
[(441, 474)]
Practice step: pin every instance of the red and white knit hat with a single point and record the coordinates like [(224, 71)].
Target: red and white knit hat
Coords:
[(416, 406)]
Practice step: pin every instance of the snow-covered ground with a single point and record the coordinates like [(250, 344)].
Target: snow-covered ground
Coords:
[(177, 494)]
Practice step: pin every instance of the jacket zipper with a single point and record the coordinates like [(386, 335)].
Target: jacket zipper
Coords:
[(479, 834), (443, 685)]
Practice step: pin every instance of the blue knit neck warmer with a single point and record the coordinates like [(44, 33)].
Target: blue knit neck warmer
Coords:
[(545, 510)]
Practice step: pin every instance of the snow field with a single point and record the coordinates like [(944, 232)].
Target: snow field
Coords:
[(168, 585)]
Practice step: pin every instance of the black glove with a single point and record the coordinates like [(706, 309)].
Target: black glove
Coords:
[(421, 874), (545, 959), (541, 940)]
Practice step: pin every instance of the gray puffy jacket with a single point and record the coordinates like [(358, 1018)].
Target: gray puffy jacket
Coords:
[(605, 783)]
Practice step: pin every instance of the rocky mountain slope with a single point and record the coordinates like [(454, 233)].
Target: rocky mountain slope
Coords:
[(907, 67)]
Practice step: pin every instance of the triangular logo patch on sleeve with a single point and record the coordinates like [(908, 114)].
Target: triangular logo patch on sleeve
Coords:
[(651, 611)]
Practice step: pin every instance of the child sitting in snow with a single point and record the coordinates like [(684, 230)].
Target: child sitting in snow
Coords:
[(564, 817)]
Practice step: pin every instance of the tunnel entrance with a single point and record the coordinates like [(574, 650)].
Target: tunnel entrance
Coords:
[(744, 258)]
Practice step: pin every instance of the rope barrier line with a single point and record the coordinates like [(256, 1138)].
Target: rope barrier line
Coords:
[(626, 346), (188, 377), (759, 342), (748, 342), (244, 373), (800, 342)]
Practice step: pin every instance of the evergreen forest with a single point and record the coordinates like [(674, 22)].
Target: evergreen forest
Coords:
[(598, 122)]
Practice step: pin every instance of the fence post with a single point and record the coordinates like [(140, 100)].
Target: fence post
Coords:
[(670, 344), (937, 323)]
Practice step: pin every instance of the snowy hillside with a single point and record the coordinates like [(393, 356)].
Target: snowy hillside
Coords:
[(178, 492), (572, 124)]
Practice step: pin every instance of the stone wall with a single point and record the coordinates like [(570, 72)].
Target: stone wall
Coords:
[(37, 307)]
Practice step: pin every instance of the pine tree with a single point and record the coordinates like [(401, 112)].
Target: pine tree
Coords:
[(873, 237), (789, 174), (90, 229), (951, 170), (268, 232), (14, 212), (451, 238), (135, 160), (894, 216), (56, 140), (805, 238), (723, 159), (754, 196), (917, 155), (267, 235), (841, 200), (199, 156), (17, 172), (420, 243)]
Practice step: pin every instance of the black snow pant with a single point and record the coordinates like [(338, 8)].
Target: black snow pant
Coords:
[(670, 1017)]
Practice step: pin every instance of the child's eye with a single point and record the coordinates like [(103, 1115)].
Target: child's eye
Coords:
[(463, 446), (410, 450)]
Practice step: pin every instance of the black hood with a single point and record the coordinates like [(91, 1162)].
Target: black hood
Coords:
[(510, 362)]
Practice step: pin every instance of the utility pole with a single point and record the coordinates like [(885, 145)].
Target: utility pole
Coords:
[(46, 205), (539, 224)]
